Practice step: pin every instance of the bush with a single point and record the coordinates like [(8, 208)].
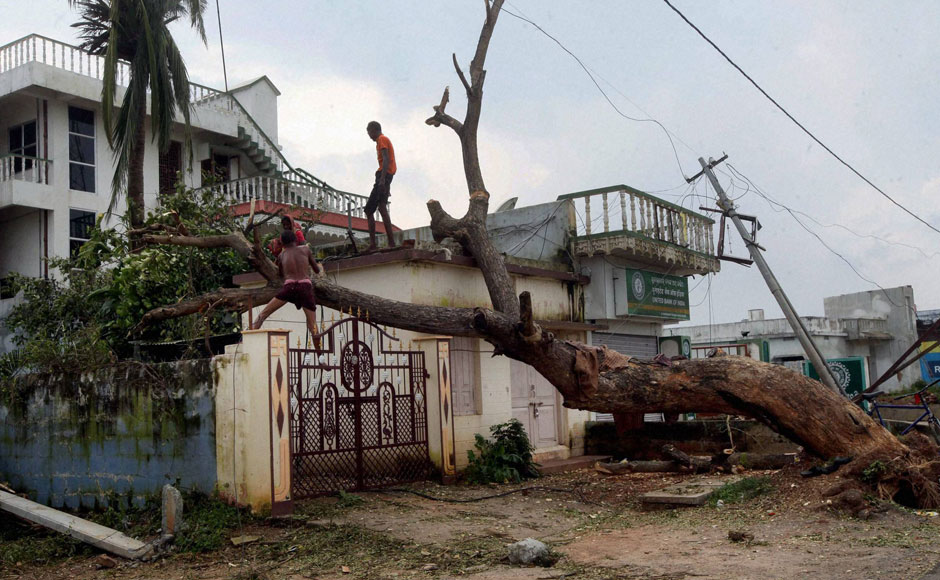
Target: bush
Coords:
[(507, 458), (81, 318)]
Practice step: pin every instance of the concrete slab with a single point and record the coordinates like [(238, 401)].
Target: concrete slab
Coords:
[(570, 464), (91, 533), (692, 492)]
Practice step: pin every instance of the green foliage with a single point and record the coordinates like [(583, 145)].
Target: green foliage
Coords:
[(742, 490), (348, 500), (83, 318), (505, 458), (872, 474), (139, 33)]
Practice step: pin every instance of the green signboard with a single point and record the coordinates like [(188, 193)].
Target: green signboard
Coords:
[(848, 372), (659, 295)]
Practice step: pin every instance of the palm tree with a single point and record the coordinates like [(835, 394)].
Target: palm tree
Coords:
[(137, 32)]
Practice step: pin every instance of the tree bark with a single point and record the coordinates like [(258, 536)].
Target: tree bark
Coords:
[(135, 168)]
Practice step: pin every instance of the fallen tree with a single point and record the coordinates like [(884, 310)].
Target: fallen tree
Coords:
[(589, 378)]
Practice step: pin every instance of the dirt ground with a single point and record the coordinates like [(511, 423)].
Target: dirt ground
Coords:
[(595, 524)]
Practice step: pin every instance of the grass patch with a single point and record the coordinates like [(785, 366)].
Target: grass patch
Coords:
[(371, 554), (207, 525), (745, 489), (25, 545), (208, 521)]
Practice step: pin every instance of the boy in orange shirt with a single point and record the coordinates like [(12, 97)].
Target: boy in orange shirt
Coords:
[(378, 199)]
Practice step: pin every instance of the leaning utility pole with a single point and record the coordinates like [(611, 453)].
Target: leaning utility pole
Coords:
[(802, 333)]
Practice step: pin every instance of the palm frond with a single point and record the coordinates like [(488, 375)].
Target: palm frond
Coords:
[(136, 32)]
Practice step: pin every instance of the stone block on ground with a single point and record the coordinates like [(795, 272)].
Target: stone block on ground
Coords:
[(530, 552), (172, 511), (693, 492)]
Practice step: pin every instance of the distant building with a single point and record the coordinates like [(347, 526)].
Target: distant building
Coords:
[(876, 326)]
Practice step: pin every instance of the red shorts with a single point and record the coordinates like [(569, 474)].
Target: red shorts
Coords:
[(299, 293)]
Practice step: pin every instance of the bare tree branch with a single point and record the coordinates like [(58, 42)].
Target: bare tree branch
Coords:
[(442, 118), (235, 240), (252, 225), (463, 79)]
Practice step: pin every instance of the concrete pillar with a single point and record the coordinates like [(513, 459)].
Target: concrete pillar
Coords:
[(252, 422)]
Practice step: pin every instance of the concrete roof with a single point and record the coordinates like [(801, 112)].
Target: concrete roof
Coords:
[(256, 81)]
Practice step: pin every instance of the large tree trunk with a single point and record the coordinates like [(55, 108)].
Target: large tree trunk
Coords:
[(589, 378)]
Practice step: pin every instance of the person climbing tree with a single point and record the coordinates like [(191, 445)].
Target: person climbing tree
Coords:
[(295, 264)]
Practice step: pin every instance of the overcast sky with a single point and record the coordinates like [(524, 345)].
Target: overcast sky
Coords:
[(863, 76)]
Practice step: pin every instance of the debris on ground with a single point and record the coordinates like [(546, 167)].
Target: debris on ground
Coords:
[(690, 492), (740, 536), (104, 561)]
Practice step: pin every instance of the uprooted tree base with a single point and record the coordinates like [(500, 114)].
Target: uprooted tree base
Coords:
[(590, 378)]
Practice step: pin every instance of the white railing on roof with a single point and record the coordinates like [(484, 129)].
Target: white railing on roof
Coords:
[(24, 168), (295, 193), (71, 58), (622, 210), (38, 48)]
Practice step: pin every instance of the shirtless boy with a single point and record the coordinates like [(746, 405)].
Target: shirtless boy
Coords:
[(295, 264)]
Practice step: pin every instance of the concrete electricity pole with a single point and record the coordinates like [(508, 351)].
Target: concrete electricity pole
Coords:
[(802, 333)]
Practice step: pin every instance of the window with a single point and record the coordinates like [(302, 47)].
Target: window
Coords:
[(23, 142), (465, 375), (171, 163), (80, 224), (216, 168), (81, 149), (6, 288)]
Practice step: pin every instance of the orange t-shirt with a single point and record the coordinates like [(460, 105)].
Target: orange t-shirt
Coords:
[(383, 143)]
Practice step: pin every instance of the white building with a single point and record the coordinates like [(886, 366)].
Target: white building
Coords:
[(56, 166), (877, 326)]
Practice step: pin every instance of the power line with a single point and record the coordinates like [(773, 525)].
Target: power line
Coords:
[(798, 124), (780, 207), (218, 13), (826, 245), (602, 91)]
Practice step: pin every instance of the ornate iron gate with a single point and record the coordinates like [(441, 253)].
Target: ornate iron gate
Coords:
[(358, 411)]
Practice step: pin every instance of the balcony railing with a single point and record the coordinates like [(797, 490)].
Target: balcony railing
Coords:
[(38, 48), (68, 57), (622, 210), (24, 168), (290, 192)]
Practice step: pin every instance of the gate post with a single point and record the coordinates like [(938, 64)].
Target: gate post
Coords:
[(252, 423)]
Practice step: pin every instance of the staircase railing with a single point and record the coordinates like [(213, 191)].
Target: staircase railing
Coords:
[(289, 192)]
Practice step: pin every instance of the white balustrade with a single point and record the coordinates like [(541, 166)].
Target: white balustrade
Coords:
[(648, 216), (23, 168), (296, 193)]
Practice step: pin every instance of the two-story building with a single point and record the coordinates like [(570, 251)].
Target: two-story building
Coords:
[(56, 165)]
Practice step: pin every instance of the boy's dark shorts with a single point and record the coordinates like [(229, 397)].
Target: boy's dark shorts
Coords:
[(380, 193), (300, 294)]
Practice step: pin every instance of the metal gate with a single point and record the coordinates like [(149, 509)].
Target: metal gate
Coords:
[(358, 411)]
